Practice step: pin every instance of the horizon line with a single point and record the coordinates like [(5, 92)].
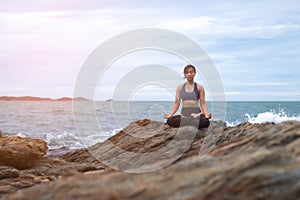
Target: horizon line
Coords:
[(65, 98)]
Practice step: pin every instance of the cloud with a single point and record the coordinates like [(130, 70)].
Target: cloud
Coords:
[(216, 27)]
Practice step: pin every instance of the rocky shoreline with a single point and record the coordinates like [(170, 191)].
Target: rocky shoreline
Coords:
[(150, 160)]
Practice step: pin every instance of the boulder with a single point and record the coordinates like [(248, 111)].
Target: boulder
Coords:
[(21, 153)]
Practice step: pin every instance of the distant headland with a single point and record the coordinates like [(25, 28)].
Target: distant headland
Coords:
[(31, 98)]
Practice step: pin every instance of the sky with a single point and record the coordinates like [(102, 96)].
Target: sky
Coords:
[(254, 45)]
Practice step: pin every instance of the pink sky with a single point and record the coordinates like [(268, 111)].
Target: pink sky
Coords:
[(255, 46)]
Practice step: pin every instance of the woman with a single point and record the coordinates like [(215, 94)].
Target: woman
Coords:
[(191, 94)]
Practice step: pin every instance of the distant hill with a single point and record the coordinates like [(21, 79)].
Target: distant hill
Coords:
[(30, 98), (70, 99), (64, 99), (24, 98)]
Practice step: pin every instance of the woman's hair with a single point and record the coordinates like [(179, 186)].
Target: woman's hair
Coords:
[(186, 68)]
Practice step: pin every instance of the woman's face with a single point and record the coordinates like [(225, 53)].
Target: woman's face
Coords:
[(189, 74)]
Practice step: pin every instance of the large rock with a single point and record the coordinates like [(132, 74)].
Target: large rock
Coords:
[(248, 161), (150, 144), (23, 164), (21, 153)]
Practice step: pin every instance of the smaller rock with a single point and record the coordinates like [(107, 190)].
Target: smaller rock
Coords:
[(8, 172), (21, 153), (23, 183), (6, 189)]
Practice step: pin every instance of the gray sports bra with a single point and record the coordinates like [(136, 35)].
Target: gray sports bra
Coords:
[(190, 95)]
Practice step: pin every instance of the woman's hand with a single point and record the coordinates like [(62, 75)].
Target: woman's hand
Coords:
[(207, 115), (195, 115), (167, 116)]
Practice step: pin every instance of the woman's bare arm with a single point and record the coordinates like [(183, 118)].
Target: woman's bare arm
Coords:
[(203, 102), (176, 103)]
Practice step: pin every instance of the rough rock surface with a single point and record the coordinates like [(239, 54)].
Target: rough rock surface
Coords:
[(21, 153), (248, 161), (23, 164)]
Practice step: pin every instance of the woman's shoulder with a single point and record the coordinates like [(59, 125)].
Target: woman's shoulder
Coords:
[(179, 87), (199, 87)]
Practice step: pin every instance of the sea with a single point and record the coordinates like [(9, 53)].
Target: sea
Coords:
[(69, 125)]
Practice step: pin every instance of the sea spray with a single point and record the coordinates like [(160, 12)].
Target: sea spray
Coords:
[(272, 116)]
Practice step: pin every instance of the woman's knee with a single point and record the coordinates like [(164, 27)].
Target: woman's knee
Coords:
[(174, 121), (203, 122)]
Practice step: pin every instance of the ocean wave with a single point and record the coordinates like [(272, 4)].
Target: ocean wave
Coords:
[(272, 116), (70, 139), (57, 140)]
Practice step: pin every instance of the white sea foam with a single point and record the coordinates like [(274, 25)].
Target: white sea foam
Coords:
[(231, 124), (71, 140), (270, 117)]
